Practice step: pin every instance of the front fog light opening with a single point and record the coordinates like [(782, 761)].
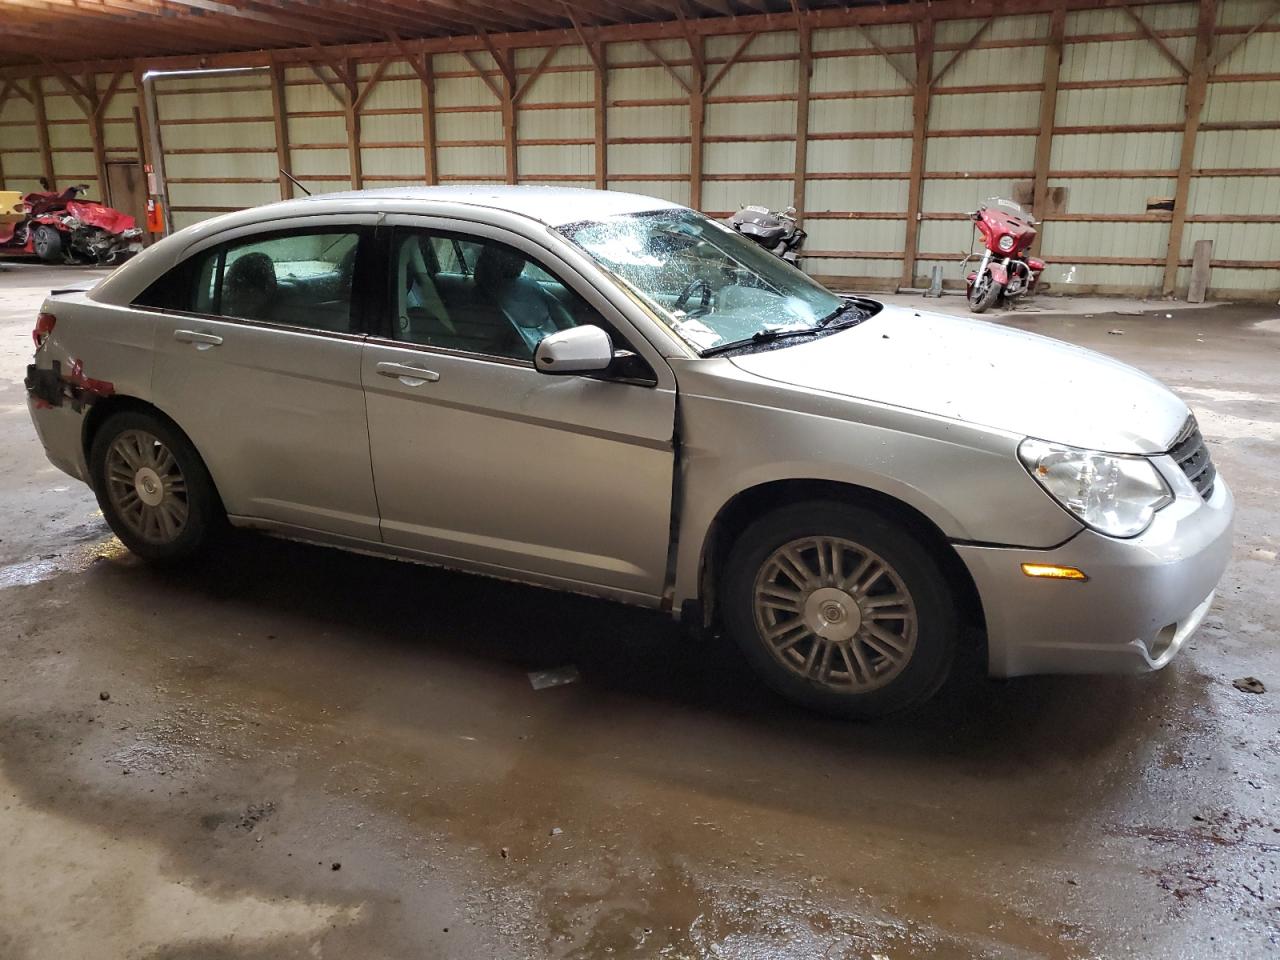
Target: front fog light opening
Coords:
[(1115, 494)]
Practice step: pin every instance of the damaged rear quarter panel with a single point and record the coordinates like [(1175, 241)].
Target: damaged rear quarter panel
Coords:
[(95, 351)]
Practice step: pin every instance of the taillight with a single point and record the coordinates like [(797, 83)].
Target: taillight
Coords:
[(44, 326)]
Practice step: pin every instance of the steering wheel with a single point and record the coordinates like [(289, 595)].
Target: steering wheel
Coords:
[(687, 292)]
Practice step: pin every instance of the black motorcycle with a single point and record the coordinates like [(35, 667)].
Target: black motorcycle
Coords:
[(775, 230)]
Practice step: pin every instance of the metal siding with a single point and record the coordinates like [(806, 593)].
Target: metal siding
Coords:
[(306, 163), (1121, 60), (886, 114), (751, 119), (484, 162), (647, 83), (550, 160), (676, 191), (393, 128), (726, 196), (1116, 151), (994, 111), (664, 121), (577, 123), (316, 130), (404, 163), (977, 154), (478, 125), (857, 195), (231, 166), (308, 97), (854, 156), (841, 235), (394, 94), (647, 158), (1117, 105), (771, 157)]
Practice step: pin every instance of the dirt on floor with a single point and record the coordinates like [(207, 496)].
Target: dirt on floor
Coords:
[(288, 751)]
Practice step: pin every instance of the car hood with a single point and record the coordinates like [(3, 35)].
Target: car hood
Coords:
[(981, 373)]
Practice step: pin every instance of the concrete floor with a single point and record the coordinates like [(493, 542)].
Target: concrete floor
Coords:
[(306, 753)]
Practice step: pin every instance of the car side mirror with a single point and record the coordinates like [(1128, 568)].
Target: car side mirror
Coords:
[(585, 349)]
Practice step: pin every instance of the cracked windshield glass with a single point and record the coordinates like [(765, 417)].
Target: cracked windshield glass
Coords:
[(711, 285)]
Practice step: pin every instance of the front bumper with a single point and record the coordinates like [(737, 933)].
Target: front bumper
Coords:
[(1144, 597)]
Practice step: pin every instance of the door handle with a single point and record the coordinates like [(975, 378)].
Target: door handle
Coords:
[(203, 341), (406, 374)]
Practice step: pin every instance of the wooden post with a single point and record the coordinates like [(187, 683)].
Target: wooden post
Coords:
[(42, 132), (96, 136), (1201, 261), (920, 113), (697, 120), (1048, 115), (352, 112), (602, 117), (280, 115), (428, 79), (140, 128), (1197, 87), (803, 78), (505, 60)]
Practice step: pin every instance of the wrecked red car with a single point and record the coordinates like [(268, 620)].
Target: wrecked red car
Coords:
[(61, 227)]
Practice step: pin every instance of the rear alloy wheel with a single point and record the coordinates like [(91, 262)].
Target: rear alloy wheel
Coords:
[(840, 610), (152, 486), (47, 243)]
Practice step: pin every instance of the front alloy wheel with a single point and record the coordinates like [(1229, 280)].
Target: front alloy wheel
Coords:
[(834, 612), (840, 607)]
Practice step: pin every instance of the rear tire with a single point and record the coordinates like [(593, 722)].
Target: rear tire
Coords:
[(840, 610), (984, 293), (153, 488), (47, 243)]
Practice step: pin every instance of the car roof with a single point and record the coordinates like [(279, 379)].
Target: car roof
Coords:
[(554, 206)]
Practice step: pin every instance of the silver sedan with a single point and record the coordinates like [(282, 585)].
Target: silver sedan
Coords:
[(614, 395)]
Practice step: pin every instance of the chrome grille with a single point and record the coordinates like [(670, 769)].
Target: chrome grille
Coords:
[(1191, 454)]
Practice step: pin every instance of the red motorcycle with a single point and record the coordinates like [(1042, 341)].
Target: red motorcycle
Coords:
[(63, 228), (1005, 271)]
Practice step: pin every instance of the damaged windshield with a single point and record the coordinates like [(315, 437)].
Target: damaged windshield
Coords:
[(713, 286)]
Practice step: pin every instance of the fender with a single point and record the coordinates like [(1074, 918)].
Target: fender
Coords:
[(999, 274)]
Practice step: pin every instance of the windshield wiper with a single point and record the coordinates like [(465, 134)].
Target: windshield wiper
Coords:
[(839, 311), (760, 336), (827, 323)]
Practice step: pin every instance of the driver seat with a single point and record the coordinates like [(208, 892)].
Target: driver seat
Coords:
[(532, 312)]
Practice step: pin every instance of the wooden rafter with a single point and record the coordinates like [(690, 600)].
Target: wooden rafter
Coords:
[(964, 48), (733, 58), (1165, 50), (530, 80), (878, 48), (1227, 49), (675, 74)]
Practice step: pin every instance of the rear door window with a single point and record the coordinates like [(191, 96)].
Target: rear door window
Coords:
[(299, 278)]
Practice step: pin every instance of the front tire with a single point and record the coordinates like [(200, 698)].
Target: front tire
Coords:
[(47, 243), (984, 293), (840, 610), (153, 487)]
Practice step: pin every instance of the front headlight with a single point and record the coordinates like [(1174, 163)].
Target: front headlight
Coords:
[(1006, 243), (1116, 495)]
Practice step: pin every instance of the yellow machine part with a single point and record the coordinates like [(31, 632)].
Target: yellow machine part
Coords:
[(11, 210)]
